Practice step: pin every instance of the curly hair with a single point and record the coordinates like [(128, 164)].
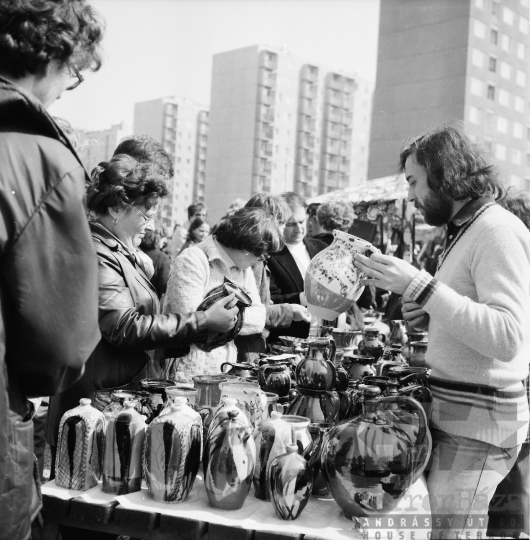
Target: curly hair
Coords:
[(35, 32), (277, 207), (124, 181), (335, 215), (518, 203), (250, 229), (145, 148), (454, 165)]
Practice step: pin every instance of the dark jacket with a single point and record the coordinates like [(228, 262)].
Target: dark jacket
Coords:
[(287, 283), (48, 286), (130, 324)]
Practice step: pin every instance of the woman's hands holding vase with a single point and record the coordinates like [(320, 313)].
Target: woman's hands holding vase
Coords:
[(221, 316), (385, 272)]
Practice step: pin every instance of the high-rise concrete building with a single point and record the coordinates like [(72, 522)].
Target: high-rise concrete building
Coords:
[(453, 60), (181, 126), (98, 146), (281, 123)]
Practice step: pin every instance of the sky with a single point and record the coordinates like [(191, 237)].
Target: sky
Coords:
[(157, 48)]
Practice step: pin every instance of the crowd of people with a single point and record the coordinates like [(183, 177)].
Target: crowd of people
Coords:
[(93, 297)]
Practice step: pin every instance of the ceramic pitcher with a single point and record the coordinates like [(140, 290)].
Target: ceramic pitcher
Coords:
[(316, 371), (250, 399), (332, 283)]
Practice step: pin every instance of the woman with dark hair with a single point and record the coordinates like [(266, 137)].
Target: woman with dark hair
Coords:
[(197, 232), (242, 239), (49, 273), (125, 197)]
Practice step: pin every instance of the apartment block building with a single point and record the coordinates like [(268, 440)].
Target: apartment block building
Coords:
[(280, 123), (446, 61), (98, 146), (181, 126)]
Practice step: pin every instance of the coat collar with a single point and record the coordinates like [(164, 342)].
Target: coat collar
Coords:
[(214, 251), (470, 209)]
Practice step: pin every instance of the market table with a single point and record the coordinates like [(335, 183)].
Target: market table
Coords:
[(137, 515)]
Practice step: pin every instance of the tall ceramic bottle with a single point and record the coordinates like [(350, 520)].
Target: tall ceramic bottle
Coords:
[(291, 481), (78, 464), (332, 283), (229, 463), (272, 438), (173, 452), (122, 457)]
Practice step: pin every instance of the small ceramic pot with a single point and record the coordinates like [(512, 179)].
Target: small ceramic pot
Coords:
[(417, 354), (358, 365), (372, 344)]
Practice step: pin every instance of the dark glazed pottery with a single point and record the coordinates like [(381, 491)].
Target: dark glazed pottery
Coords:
[(243, 301), (173, 452), (371, 344), (122, 457), (241, 369), (318, 433), (318, 406), (229, 463), (369, 462), (208, 389), (275, 377), (119, 397), (291, 481), (316, 371), (157, 395)]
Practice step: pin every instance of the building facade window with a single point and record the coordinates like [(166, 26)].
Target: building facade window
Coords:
[(502, 124), (505, 70), (505, 42), (523, 25), (520, 78), (500, 151), (491, 92), (508, 16), (504, 97), (474, 115), (519, 104), (476, 86), (479, 29), (494, 36), (479, 4), (518, 130), (520, 51), (477, 57), (492, 64), (495, 8), (516, 156)]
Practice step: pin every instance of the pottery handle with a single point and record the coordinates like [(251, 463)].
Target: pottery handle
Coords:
[(227, 364), (333, 347)]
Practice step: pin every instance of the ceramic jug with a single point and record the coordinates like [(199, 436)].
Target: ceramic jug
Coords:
[(371, 344), (358, 365), (332, 282), (316, 371), (208, 390), (218, 339), (318, 433), (369, 462), (239, 369), (80, 447), (271, 437), (157, 394), (250, 399), (398, 333), (346, 339), (182, 391), (414, 336), (392, 357), (317, 405), (229, 463), (275, 376), (124, 445), (273, 404), (119, 397), (173, 452), (417, 354), (291, 482)]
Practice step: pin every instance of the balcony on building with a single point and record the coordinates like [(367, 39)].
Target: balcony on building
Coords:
[(330, 180), (266, 96), (307, 123), (309, 73), (304, 174), (266, 113), (333, 114), (333, 146), (334, 81), (347, 119), (334, 98), (349, 86), (346, 133), (269, 59), (267, 78), (306, 141), (308, 90), (264, 131), (262, 166), (262, 183), (265, 148), (308, 106), (330, 163)]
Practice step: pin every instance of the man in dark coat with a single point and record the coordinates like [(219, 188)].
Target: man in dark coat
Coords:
[(48, 267), (288, 266)]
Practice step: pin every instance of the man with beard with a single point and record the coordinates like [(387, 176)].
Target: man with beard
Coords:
[(476, 309)]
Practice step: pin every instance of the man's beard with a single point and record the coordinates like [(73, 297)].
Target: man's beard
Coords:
[(437, 209)]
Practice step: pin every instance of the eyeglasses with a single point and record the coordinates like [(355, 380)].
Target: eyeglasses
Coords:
[(78, 75), (147, 218)]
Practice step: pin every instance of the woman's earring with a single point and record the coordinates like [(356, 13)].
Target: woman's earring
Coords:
[(115, 220)]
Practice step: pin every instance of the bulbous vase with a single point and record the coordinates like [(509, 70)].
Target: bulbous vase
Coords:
[(229, 463), (317, 405), (291, 482), (371, 344), (124, 445), (358, 366), (275, 376), (271, 437), (316, 371), (250, 399), (80, 447), (398, 333), (243, 301), (369, 462), (173, 452), (332, 283)]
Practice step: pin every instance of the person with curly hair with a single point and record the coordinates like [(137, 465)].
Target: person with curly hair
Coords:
[(125, 197), (330, 216), (241, 240), (49, 313)]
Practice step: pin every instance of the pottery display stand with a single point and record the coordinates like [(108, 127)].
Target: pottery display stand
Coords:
[(138, 516)]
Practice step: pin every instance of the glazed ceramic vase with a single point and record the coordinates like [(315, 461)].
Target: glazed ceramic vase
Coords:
[(291, 482), (182, 391), (250, 399), (229, 463), (398, 333), (157, 394), (273, 404), (208, 390), (357, 365), (122, 457), (275, 377), (369, 462), (371, 344), (119, 397), (80, 447), (182, 401), (243, 301), (332, 283), (318, 433), (239, 369), (316, 371), (418, 349), (173, 452), (271, 437), (392, 357), (346, 339), (414, 336), (317, 405)]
